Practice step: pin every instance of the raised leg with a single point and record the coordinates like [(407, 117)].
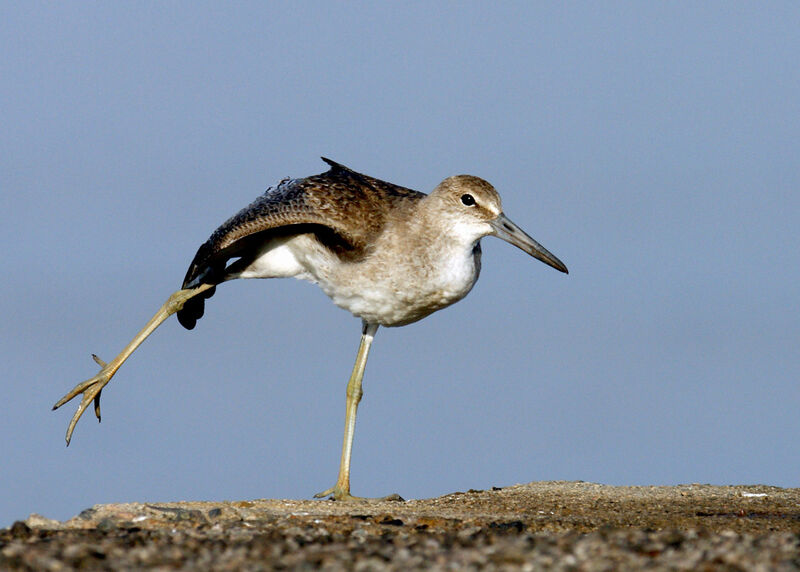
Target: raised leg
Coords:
[(92, 387), (341, 490)]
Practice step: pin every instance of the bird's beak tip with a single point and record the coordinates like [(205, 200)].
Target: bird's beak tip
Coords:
[(506, 230)]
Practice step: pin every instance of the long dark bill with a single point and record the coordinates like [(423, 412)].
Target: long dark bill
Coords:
[(508, 231)]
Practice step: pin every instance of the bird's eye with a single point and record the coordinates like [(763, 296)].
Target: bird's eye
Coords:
[(468, 200)]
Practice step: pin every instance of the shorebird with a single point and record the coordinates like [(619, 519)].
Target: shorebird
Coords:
[(387, 254)]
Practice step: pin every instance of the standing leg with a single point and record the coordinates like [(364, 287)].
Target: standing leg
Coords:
[(341, 490)]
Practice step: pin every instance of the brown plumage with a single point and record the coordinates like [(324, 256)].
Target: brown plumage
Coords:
[(343, 209)]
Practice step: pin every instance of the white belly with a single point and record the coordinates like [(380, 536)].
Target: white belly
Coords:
[(299, 256), (395, 295), (389, 293)]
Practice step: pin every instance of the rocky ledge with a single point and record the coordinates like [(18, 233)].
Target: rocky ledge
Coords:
[(551, 525)]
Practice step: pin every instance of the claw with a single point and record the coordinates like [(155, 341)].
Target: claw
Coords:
[(101, 363), (339, 494), (325, 493), (91, 390), (97, 405)]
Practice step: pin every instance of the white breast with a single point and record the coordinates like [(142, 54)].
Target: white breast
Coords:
[(401, 291)]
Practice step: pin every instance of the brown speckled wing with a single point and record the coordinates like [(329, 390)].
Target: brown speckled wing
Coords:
[(344, 209)]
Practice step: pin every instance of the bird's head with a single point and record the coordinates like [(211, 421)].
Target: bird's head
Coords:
[(475, 210)]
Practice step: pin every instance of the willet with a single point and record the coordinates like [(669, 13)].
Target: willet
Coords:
[(389, 255)]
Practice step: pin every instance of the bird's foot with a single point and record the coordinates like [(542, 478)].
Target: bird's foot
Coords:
[(91, 390), (338, 493)]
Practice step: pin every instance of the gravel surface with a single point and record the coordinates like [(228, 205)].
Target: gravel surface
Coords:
[(552, 526)]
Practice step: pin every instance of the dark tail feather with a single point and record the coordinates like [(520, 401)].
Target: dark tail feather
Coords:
[(194, 308)]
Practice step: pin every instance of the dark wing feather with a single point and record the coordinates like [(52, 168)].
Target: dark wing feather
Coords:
[(343, 208)]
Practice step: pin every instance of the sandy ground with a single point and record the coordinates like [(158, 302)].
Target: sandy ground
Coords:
[(550, 525)]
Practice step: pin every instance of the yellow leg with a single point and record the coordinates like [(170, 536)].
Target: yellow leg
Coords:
[(341, 490), (92, 387)]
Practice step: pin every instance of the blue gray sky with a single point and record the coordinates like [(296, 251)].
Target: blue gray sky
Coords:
[(651, 146)]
